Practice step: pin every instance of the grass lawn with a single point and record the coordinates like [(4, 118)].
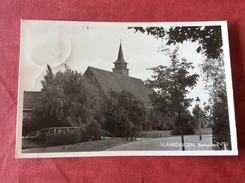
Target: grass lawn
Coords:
[(32, 143), (32, 146), (98, 145)]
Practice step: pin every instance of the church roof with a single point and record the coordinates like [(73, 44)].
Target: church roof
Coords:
[(31, 98), (109, 81), (120, 58)]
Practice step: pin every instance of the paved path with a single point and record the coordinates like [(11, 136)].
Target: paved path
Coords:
[(192, 143)]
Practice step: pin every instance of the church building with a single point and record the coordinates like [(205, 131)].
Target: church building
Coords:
[(118, 80)]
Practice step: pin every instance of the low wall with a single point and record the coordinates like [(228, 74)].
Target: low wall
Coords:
[(155, 134)]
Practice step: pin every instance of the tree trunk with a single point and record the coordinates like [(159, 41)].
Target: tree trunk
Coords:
[(181, 132)]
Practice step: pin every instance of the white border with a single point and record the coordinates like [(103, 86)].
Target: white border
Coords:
[(226, 51)]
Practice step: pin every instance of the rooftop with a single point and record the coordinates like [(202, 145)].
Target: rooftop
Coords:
[(109, 81)]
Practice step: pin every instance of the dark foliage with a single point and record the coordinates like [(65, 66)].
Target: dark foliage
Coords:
[(187, 130), (63, 139), (69, 99), (172, 84), (124, 115), (220, 117), (90, 131), (29, 125), (156, 120), (208, 37), (185, 123)]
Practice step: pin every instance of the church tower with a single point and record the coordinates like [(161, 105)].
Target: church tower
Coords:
[(120, 65)]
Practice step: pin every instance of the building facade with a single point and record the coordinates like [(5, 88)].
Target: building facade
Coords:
[(118, 80)]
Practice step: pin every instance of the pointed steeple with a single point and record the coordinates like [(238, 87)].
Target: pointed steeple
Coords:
[(120, 58), (120, 65)]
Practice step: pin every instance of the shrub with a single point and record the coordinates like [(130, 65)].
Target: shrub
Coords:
[(28, 125), (90, 131), (184, 125), (63, 138), (187, 130), (124, 115)]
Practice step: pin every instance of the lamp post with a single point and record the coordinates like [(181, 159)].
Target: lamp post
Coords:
[(181, 127), (198, 101)]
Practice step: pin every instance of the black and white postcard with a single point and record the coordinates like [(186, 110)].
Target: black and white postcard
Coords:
[(124, 89)]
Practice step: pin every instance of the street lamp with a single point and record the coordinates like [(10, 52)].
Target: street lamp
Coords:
[(181, 129), (198, 101)]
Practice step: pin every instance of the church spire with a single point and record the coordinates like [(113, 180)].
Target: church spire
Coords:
[(120, 65), (120, 58)]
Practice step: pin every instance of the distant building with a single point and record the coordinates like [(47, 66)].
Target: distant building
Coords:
[(31, 98), (118, 80)]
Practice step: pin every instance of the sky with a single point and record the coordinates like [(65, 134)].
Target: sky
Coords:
[(83, 44)]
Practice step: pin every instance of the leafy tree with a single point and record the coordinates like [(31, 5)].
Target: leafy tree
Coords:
[(172, 83), (48, 78), (184, 125), (29, 125), (69, 99), (213, 71), (220, 119), (208, 37), (90, 131), (124, 115), (217, 108), (156, 120)]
